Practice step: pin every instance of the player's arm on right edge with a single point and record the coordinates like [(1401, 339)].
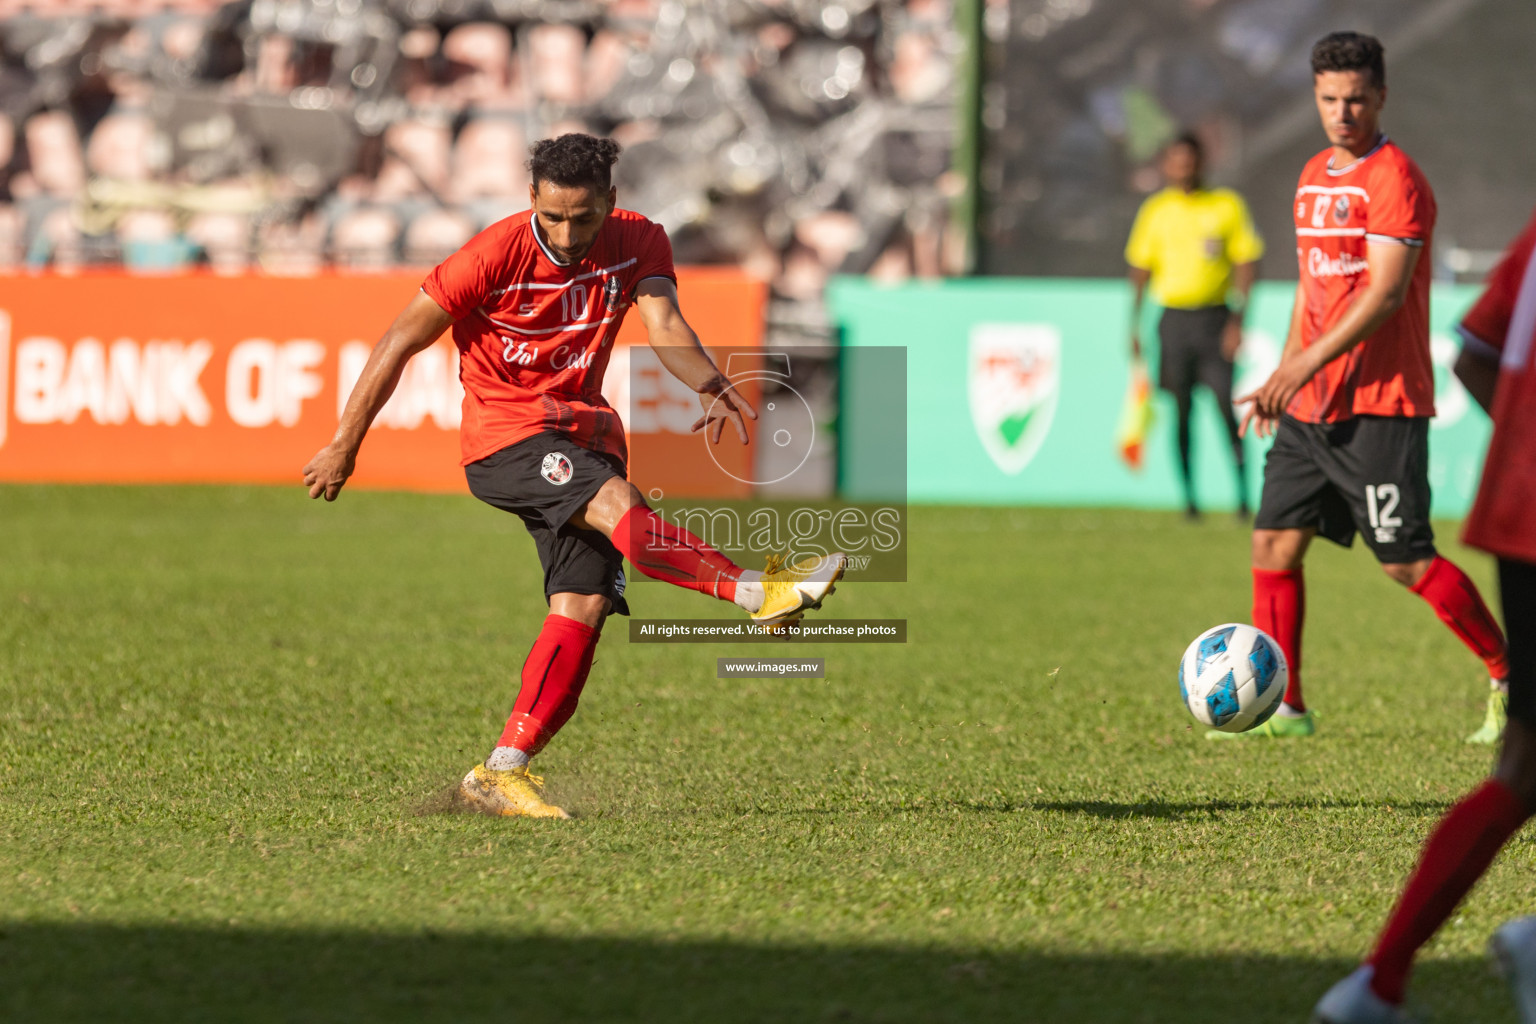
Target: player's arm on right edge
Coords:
[(416, 328), (1484, 327), (1479, 375)]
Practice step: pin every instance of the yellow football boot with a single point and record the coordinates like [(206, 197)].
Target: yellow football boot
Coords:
[(513, 793), (788, 590), (1493, 722)]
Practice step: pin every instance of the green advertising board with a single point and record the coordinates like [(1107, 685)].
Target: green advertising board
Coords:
[(1014, 390)]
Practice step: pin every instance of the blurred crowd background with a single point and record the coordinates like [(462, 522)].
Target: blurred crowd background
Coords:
[(796, 138)]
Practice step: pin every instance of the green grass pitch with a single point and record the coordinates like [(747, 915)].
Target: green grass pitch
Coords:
[(227, 716)]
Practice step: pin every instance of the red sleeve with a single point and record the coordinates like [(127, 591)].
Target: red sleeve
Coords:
[(1487, 322), (655, 254), (1402, 207), (459, 283)]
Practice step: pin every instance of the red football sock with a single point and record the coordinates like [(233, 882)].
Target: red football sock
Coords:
[(567, 707), (1279, 609), (1455, 857), (1455, 599), (553, 676), (670, 553)]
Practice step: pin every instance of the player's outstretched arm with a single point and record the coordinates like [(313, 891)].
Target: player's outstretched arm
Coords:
[(1391, 272), (416, 328), (679, 350)]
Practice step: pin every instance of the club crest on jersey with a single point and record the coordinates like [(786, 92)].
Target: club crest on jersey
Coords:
[(557, 469), (1341, 210), (613, 292), (1014, 381)]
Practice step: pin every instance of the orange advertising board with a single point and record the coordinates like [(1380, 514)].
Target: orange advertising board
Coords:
[(112, 378)]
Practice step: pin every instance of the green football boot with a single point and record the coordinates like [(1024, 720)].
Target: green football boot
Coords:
[(1278, 727), (1493, 721)]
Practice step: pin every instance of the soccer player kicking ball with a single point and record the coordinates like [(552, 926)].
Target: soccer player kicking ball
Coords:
[(1501, 362), (535, 302), (1351, 400)]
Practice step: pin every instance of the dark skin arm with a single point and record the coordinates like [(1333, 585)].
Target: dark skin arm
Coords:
[(1139, 279), (679, 350), (1391, 272), (416, 328), (1243, 276)]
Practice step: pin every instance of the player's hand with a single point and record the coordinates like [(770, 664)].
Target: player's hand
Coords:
[(328, 471), (721, 407), (1263, 425), (1271, 398), (1260, 415)]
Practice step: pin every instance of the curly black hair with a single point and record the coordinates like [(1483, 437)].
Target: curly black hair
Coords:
[(1350, 51), (574, 160)]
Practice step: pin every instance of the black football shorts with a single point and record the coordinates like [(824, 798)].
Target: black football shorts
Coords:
[(544, 480), (1517, 589), (1368, 474), (1190, 344)]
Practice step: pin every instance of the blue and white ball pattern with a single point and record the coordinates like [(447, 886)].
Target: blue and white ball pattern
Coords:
[(1232, 677)]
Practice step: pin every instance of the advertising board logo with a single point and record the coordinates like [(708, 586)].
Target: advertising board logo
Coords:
[(1014, 382)]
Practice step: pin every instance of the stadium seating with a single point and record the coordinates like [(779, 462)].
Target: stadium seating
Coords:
[(291, 136)]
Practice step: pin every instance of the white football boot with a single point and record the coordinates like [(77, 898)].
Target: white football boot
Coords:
[(1351, 1001), (1513, 947)]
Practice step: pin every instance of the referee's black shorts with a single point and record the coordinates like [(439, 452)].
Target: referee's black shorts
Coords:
[(1368, 474), (544, 480), (1190, 344)]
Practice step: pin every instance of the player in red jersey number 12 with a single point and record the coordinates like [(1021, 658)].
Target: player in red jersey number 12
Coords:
[(535, 302), (1351, 400)]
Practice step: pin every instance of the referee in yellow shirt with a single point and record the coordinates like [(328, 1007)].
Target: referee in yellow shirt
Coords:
[(1198, 248)]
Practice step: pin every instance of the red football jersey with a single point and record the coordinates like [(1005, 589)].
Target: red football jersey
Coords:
[(1381, 197), (534, 335), (1503, 322)]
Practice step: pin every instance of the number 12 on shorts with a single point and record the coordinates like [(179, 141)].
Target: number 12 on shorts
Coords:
[(1381, 505)]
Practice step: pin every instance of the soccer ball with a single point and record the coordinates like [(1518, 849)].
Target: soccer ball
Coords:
[(1232, 677)]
